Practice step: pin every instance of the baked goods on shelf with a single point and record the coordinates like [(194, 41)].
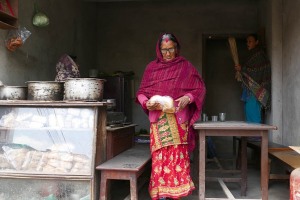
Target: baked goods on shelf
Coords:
[(24, 159)]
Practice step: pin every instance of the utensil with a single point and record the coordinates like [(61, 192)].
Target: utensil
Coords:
[(13, 92), (45, 90), (84, 89), (222, 117), (204, 117), (214, 118)]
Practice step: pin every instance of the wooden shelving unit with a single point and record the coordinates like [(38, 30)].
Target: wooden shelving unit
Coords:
[(7, 20)]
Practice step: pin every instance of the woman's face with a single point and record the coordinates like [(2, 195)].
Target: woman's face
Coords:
[(168, 50), (251, 42)]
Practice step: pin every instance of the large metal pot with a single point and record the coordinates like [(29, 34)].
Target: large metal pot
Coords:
[(13, 92), (45, 90), (84, 89)]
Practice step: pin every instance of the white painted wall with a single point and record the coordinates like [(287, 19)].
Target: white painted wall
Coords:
[(291, 72), (274, 23)]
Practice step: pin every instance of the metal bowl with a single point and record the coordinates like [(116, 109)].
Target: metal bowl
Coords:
[(13, 92), (84, 89), (45, 90)]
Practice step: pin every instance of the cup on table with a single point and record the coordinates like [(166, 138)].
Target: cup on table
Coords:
[(214, 118), (222, 117), (204, 117)]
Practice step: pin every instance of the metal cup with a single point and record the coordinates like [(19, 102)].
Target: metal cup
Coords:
[(222, 117), (204, 117), (214, 118)]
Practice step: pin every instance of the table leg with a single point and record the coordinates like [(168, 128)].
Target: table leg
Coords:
[(202, 144), (264, 165), (243, 166), (234, 151), (195, 166)]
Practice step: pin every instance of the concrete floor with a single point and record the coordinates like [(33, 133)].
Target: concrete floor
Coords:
[(278, 190)]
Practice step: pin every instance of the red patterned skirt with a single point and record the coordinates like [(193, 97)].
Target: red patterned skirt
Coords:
[(170, 175)]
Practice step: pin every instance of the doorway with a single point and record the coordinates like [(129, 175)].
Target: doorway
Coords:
[(223, 91)]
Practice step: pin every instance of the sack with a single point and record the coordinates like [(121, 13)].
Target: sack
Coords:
[(40, 19)]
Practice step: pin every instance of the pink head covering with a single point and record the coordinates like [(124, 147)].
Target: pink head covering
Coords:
[(166, 37)]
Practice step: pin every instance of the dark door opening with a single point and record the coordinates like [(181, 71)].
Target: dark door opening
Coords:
[(223, 91)]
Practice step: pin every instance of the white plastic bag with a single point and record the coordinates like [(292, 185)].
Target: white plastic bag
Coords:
[(16, 38)]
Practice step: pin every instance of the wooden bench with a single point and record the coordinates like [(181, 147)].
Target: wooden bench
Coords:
[(280, 152), (277, 151), (128, 165), (256, 145), (271, 146), (289, 157)]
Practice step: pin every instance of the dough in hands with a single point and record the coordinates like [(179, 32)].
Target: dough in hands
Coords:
[(166, 102)]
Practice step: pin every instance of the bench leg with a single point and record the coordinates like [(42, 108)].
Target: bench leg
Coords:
[(269, 169), (133, 188), (103, 186)]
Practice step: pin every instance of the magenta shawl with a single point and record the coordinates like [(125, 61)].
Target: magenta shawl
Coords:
[(174, 78)]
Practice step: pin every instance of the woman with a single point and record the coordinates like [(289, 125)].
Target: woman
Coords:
[(256, 80), (171, 134)]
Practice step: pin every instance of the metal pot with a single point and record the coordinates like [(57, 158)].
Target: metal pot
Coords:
[(13, 92), (84, 89), (45, 90)]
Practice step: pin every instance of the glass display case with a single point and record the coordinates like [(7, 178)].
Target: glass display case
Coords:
[(42, 145), (45, 189)]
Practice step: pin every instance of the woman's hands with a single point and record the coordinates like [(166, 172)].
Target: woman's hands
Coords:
[(238, 74), (182, 102), (238, 67), (153, 106)]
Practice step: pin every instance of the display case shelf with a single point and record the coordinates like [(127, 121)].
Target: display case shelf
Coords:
[(46, 129), (37, 189)]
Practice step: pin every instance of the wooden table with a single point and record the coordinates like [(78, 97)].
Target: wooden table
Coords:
[(235, 128)]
